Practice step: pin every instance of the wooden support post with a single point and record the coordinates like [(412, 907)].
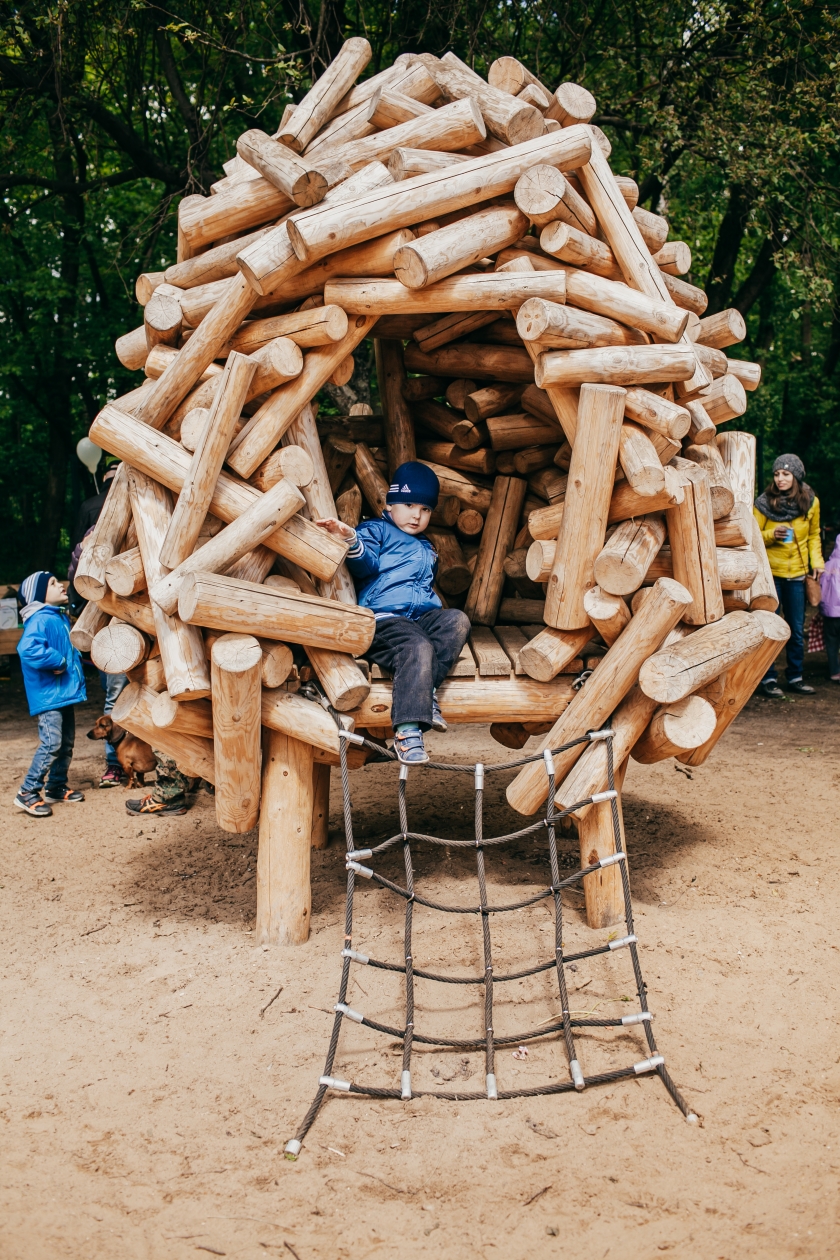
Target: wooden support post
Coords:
[(500, 528), (320, 805), (720, 487), (453, 575), (608, 685), (622, 564), (691, 531), (373, 484), (399, 431), (236, 660), (609, 614), (639, 461), (657, 413), (195, 718), (544, 656), (602, 890), (284, 897), (462, 243), (317, 106), (181, 646), (125, 574), (105, 539), (583, 527)]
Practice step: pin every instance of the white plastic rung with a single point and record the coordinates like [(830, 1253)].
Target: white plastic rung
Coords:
[(598, 797), (332, 1082), (596, 735), (648, 1065), (403, 771), (351, 735), (577, 1074), (492, 1091), (292, 1148), (622, 942), (612, 858), (356, 855), (549, 762), (405, 1085), (355, 955), (479, 776), (344, 1009), (364, 871), (640, 1017)]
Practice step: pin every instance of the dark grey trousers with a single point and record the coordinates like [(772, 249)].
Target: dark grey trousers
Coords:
[(419, 654)]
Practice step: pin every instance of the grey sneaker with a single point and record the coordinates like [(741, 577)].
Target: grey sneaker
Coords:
[(410, 749), (438, 720), (772, 691), (32, 803)]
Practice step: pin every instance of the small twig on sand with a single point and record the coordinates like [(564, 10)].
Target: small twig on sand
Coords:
[(274, 999), (536, 1196), (290, 1248)]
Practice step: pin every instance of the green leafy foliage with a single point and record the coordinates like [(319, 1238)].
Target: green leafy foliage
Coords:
[(726, 114)]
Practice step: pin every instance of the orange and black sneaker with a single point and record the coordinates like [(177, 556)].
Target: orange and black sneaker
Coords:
[(148, 805), (63, 796)]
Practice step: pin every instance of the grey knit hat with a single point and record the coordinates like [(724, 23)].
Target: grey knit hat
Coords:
[(792, 464)]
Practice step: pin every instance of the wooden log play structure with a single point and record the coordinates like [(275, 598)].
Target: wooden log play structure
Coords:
[(535, 346)]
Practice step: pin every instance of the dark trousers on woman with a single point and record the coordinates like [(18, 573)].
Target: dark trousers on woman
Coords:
[(419, 654), (831, 634), (791, 593)]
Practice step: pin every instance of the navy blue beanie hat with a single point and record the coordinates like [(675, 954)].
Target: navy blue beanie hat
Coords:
[(414, 483), (33, 589)]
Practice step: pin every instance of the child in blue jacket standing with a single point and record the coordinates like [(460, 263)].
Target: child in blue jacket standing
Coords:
[(416, 639), (54, 682)]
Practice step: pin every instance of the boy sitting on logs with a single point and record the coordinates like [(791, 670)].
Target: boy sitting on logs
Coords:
[(417, 640)]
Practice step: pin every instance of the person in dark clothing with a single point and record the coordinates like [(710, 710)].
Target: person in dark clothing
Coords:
[(88, 513), (416, 639)]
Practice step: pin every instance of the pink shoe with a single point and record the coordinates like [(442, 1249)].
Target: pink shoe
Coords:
[(111, 778)]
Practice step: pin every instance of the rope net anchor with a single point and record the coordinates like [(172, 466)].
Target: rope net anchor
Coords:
[(562, 1028)]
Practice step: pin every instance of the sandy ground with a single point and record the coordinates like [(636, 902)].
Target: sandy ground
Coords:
[(154, 1062)]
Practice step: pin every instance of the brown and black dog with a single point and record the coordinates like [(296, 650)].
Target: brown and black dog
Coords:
[(134, 755)]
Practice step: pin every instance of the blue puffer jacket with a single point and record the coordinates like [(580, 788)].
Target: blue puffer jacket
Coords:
[(45, 647), (397, 570)]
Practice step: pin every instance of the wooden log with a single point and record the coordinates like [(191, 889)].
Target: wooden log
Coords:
[(734, 530), (509, 75), (449, 129), (657, 413), (568, 328), (460, 485), (192, 754), (749, 374), (284, 899), (447, 512), (620, 302), (451, 456), (450, 425), (146, 283), (137, 612), (485, 593), (105, 539), (279, 361), (518, 431), (290, 462), (301, 719), (305, 182), (197, 491), (545, 196), (355, 124), (323, 229), (199, 352), (150, 674), (491, 658), (676, 671), (348, 505), (535, 458), (714, 361), (702, 429), (762, 593), (162, 317), (317, 106), (640, 461), (741, 681), (522, 611), (204, 220), (441, 253), (602, 890), (222, 603), (675, 728), (453, 574), (399, 431), (509, 120), (275, 271), (118, 647), (419, 388), (468, 700), (132, 349), (724, 399), (494, 363), (317, 326), (264, 430), (674, 257), (216, 263), (256, 523), (613, 365), (491, 400), (653, 228), (708, 457), (603, 691), (547, 654), (195, 718), (488, 291), (737, 568), (181, 647), (320, 806), (609, 614), (405, 163), (583, 527), (624, 560), (338, 456), (572, 104), (722, 329), (373, 484), (624, 504), (124, 574), (168, 463), (235, 673), (692, 536)]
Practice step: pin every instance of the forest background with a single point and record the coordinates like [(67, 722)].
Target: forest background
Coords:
[(725, 113)]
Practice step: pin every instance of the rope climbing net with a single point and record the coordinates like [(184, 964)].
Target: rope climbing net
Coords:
[(565, 1025)]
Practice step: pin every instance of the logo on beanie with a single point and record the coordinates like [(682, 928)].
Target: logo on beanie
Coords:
[(405, 490)]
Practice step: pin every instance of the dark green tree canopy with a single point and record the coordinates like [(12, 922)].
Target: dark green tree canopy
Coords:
[(726, 114)]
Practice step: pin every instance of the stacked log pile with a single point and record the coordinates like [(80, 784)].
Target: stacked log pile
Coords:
[(536, 345)]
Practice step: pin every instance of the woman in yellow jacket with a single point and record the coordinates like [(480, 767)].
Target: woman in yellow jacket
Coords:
[(788, 514)]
